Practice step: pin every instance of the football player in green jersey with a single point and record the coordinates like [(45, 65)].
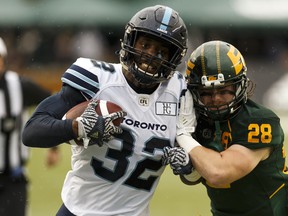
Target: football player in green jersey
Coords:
[(239, 154)]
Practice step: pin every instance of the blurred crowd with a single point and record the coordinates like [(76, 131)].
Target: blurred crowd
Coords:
[(47, 52), (34, 46)]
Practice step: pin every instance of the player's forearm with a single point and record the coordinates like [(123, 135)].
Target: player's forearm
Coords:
[(212, 166), (45, 132)]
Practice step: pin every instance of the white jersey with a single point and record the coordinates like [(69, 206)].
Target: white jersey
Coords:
[(120, 177)]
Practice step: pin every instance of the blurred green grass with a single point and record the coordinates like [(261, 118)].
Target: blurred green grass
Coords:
[(46, 183), (171, 198)]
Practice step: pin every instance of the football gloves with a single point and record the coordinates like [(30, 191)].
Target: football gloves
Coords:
[(187, 119), (95, 129), (178, 159), (186, 123)]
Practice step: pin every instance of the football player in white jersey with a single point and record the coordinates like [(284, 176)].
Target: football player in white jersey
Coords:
[(117, 173)]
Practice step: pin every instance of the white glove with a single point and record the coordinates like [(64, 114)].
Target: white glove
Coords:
[(186, 123), (187, 119)]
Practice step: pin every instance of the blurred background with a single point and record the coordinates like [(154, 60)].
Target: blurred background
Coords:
[(45, 36)]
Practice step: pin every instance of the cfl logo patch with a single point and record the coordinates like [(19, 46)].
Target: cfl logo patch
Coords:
[(166, 108), (143, 101)]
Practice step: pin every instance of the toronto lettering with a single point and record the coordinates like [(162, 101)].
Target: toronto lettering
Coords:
[(144, 125)]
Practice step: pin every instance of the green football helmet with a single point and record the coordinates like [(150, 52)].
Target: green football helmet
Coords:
[(216, 64)]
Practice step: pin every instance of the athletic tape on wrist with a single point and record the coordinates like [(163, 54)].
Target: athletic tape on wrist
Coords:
[(187, 142), (193, 177), (81, 133), (81, 129)]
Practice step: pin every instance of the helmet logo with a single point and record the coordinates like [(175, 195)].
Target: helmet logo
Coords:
[(236, 59)]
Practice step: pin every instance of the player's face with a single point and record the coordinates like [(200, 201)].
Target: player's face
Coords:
[(153, 47), (217, 98)]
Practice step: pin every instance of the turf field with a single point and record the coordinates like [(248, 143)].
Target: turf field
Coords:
[(171, 198)]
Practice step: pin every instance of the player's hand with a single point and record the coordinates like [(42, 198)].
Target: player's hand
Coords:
[(178, 159), (53, 156), (187, 119), (95, 129)]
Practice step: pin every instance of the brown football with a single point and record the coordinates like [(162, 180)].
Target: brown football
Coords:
[(103, 108)]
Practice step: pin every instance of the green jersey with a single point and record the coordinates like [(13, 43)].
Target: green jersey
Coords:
[(264, 191)]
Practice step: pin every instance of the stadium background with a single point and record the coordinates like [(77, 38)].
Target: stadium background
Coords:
[(45, 37)]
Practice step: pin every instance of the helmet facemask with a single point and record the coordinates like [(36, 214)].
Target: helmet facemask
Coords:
[(223, 111), (162, 69)]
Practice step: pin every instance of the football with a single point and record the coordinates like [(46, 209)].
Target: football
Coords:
[(103, 108)]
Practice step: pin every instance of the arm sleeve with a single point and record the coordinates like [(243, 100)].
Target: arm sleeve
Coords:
[(46, 128)]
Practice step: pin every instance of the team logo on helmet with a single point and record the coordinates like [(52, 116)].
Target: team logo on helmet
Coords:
[(236, 59)]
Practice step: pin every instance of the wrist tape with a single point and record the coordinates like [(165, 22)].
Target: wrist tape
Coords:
[(187, 142), (194, 176)]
